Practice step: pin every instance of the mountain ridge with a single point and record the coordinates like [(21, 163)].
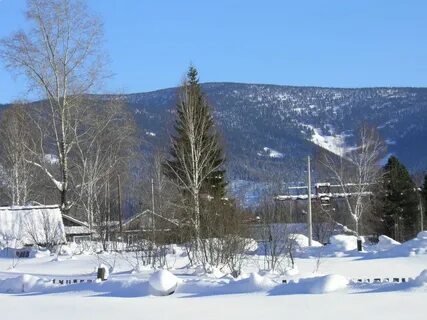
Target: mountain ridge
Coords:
[(291, 121)]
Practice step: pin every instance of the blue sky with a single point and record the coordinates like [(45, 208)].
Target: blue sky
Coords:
[(340, 43)]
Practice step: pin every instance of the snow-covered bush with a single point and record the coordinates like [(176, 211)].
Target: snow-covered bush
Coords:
[(163, 282)]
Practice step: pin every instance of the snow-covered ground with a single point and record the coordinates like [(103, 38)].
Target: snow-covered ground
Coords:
[(324, 285)]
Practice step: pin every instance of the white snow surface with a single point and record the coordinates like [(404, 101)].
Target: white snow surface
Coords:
[(333, 143), (321, 285)]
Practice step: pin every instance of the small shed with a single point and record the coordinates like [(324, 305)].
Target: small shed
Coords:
[(76, 230), (28, 225)]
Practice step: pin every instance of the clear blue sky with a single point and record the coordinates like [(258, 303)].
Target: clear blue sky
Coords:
[(340, 43)]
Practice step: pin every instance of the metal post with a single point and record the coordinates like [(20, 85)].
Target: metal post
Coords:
[(152, 210), (309, 217)]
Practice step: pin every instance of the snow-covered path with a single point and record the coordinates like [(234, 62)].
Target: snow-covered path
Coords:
[(28, 292)]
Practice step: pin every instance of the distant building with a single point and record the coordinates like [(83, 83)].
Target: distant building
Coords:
[(76, 230), (140, 226), (44, 225)]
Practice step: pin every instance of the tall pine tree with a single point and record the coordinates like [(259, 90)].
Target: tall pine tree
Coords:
[(196, 161), (400, 201)]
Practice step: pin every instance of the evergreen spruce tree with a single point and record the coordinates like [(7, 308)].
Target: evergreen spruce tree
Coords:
[(400, 201), (196, 157)]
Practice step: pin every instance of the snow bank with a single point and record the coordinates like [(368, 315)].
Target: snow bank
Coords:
[(253, 283), (422, 235), (421, 280), (243, 285), (342, 242), (413, 247), (329, 283), (301, 241), (315, 285), (23, 283), (386, 243), (163, 282)]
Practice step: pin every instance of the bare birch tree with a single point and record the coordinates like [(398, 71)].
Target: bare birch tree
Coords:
[(60, 57), (17, 174), (357, 171), (103, 146)]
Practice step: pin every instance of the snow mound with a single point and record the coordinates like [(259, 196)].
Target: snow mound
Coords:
[(163, 282), (292, 271), (386, 243), (413, 247), (301, 241), (315, 285), (422, 235), (23, 283), (421, 280), (253, 283), (329, 283), (208, 271), (342, 242)]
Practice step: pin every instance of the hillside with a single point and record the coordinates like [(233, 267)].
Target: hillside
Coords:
[(270, 128)]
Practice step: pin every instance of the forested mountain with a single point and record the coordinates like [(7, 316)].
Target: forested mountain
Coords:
[(270, 128)]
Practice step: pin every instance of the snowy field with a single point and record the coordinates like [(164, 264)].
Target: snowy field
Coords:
[(324, 285)]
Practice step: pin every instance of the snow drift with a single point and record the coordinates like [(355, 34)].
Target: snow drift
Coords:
[(23, 283), (315, 285)]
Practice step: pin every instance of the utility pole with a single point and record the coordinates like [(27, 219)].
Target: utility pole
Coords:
[(309, 216), (119, 200), (152, 210)]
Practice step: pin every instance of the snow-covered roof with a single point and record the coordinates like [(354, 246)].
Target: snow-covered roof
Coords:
[(73, 230), (76, 221), (148, 211), (31, 224)]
